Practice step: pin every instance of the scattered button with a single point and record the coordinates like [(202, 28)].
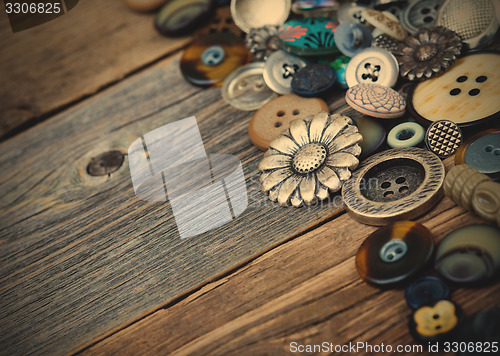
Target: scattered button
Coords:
[(481, 152), (351, 12), (373, 135), (463, 259), (245, 88), (437, 322), (394, 253), (279, 70), (275, 117), (400, 183), (374, 66), (426, 290), (248, 14), (179, 17), (144, 5), (313, 80), (486, 325), (262, 42), (420, 14), (350, 38), (209, 59), (385, 22), (407, 134), (443, 138), (386, 42), (376, 100)]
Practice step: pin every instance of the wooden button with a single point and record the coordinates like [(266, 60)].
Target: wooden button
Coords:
[(376, 100), (435, 322), (275, 117), (144, 5)]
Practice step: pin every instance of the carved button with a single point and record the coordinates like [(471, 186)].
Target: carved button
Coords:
[(466, 94), (393, 254), (420, 14), (482, 152), (350, 38), (385, 42), (376, 100), (400, 183), (407, 134), (262, 42), (245, 88), (437, 322), (210, 58), (313, 80), (144, 5), (426, 290), (279, 70), (248, 14), (373, 135), (373, 66), (275, 117), (178, 17), (443, 138), (463, 259), (385, 22)]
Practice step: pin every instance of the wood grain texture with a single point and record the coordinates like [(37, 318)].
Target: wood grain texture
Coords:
[(306, 291), (81, 255), (55, 64)]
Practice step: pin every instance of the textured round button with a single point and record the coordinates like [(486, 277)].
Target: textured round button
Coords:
[(351, 12), (407, 134), (279, 70), (443, 138), (376, 100), (400, 183), (178, 17), (248, 14), (373, 135), (466, 94), (309, 36), (262, 42), (437, 322), (385, 22), (313, 80), (144, 5), (469, 254), (350, 38), (385, 42), (481, 152), (394, 253), (275, 117), (426, 290), (245, 88), (374, 66), (209, 59), (420, 14)]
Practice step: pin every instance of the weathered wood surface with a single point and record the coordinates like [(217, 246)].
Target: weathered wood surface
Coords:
[(305, 291), (81, 255), (51, 66)]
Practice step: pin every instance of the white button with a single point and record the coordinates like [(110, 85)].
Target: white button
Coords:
[(373, 66), (279, 70)]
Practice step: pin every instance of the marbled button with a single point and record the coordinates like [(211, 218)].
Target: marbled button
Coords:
[(179, 17), (313, 80), (407, 134), (426, 290), (373, 66), (376, 100), (279, 70)]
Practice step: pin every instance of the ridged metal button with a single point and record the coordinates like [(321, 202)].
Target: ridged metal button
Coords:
[(248, 14), (279, 70), (443, 138), (373, 66)]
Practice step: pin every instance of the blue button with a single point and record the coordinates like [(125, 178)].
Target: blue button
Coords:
[(350, 38), (426, 290), (484, 154)]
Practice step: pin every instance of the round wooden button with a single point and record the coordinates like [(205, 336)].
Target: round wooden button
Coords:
[(179, 17), (376, 100), (144, 5), (275, 117)]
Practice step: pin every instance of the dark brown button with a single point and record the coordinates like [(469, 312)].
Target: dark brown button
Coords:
[(221, 21), (105, 164)]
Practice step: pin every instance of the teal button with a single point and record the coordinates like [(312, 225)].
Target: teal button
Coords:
[(407, 134)]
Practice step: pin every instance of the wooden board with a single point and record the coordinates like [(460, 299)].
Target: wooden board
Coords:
[(81, 255), (52, 66)]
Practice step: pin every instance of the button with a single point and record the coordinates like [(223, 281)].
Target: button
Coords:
[(310, 159), (221, 21), (313, 80), (482, 152), (474, 21), (245, 88), (386, 42), (394, 253), (279, 70), (309, 36), (351, 12), (466, 94), (443, 138), (275, 117), (400, 183), (248, 14), (315, 8), (373, 135), (428, 53), (395, 7), (385, 22), (178, 17), (373, 66), (407, 134), (426, 290), (262, 42), (340, 67), (486, 325), (350, 38), (144, 5), (210, 58), (376, 100), (437, 322), (463, 259), (420, 14)]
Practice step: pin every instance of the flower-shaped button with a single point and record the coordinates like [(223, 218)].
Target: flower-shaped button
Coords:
[(309, 160), (262, 42), (435, 322)]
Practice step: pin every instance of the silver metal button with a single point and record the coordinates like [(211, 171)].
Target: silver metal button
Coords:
[(373, 66), (280, 69)]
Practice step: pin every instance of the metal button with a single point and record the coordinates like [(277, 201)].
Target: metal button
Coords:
[(385, 22), (376, 100), (385, 42), (262, 42), (426, 290), (443, 138), (407, 134), (279, 70), (248, 14), (373, 66), (420, 14), (179, 17), (351, 38), (245, 88), (313, 80), (400, 183)]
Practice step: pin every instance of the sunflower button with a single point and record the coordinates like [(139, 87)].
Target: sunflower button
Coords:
[(310, 160)]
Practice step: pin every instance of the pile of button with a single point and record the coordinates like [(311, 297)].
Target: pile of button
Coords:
[(284, 59)]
